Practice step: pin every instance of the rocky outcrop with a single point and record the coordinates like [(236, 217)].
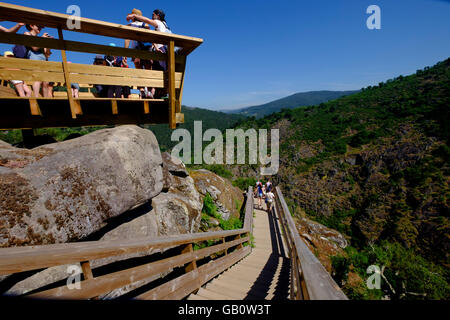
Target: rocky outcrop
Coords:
[(227, 198), (65, 191), (177, 210), (325, 242)]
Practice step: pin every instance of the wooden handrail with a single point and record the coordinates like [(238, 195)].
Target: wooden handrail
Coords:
[(171, 80), (18, 259), (309, 279), (11, 12)]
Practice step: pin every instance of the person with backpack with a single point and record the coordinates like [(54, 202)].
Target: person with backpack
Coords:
[(269, 186), (259, 193)]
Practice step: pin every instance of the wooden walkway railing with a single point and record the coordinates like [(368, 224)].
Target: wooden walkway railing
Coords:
[(309, 279), (232, 246), (22, 113)]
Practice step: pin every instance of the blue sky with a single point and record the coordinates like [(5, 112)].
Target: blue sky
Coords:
[(256, 51)]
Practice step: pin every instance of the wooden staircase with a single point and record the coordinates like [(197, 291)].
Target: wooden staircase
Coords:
[(264, 274)]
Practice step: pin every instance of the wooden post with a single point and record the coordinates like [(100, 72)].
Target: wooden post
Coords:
[(87, 271), (34, 107), (171, 89), (115, 110), (240, 246), (192, 265), (180, 94), (73, 107), (226, 250), (146, 107)]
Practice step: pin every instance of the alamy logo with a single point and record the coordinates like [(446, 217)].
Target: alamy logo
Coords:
[(213, 152), (73, 281), (374, 21), (374, 281), (73, 22)]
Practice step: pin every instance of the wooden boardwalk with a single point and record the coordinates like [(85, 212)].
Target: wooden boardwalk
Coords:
[(264, 274)]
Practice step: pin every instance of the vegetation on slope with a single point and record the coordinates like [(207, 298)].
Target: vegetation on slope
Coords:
[(375, 166), (290, 102)]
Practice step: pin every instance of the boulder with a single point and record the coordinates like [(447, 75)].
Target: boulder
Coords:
[(65, 191), (325, 242), (227, 198), (176, 211)]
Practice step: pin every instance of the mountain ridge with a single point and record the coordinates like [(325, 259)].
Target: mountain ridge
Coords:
[(295, 100)]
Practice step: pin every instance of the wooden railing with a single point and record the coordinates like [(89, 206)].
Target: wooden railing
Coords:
[(309, 279), (31, 70), (233, 245)]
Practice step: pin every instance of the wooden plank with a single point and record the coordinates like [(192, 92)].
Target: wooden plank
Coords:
[(106, 283), (192, 265), (77, 104), (179, 117), (187, 283), (10, 12), (180, 93), (171, 86), (34, 107), (7, 92), (319, 283), (26, 64), (67, 79), (29, 75), (19, 259), (121, 81), (12, 38), (248, 220), (115, 110), (119, 72), (87, 271)]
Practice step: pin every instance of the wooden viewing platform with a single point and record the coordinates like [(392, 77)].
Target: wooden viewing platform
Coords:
[(27, 113), (280, 266)]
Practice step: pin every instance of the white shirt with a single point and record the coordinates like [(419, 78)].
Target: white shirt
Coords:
[(161, 28), (270, 196)]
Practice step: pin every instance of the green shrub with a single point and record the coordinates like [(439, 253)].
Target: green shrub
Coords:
[(244, 183)]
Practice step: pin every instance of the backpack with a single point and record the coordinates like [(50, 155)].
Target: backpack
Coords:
[(20, 51)]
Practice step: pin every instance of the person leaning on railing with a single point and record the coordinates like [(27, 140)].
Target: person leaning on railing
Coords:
[(36, 53), (12, 29), (158, 21)]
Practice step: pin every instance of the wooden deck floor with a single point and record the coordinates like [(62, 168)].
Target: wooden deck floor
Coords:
[(262, 275)]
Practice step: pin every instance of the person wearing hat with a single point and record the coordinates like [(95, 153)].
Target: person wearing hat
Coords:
[(133, 44), (22, 89), (158, 21)]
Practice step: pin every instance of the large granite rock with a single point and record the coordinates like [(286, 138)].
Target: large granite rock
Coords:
[(227, 198), (65, 191), (325, 242)]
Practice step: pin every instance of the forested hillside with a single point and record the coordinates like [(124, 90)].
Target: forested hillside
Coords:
[(209, 118), (375, 166), (293, 101)]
